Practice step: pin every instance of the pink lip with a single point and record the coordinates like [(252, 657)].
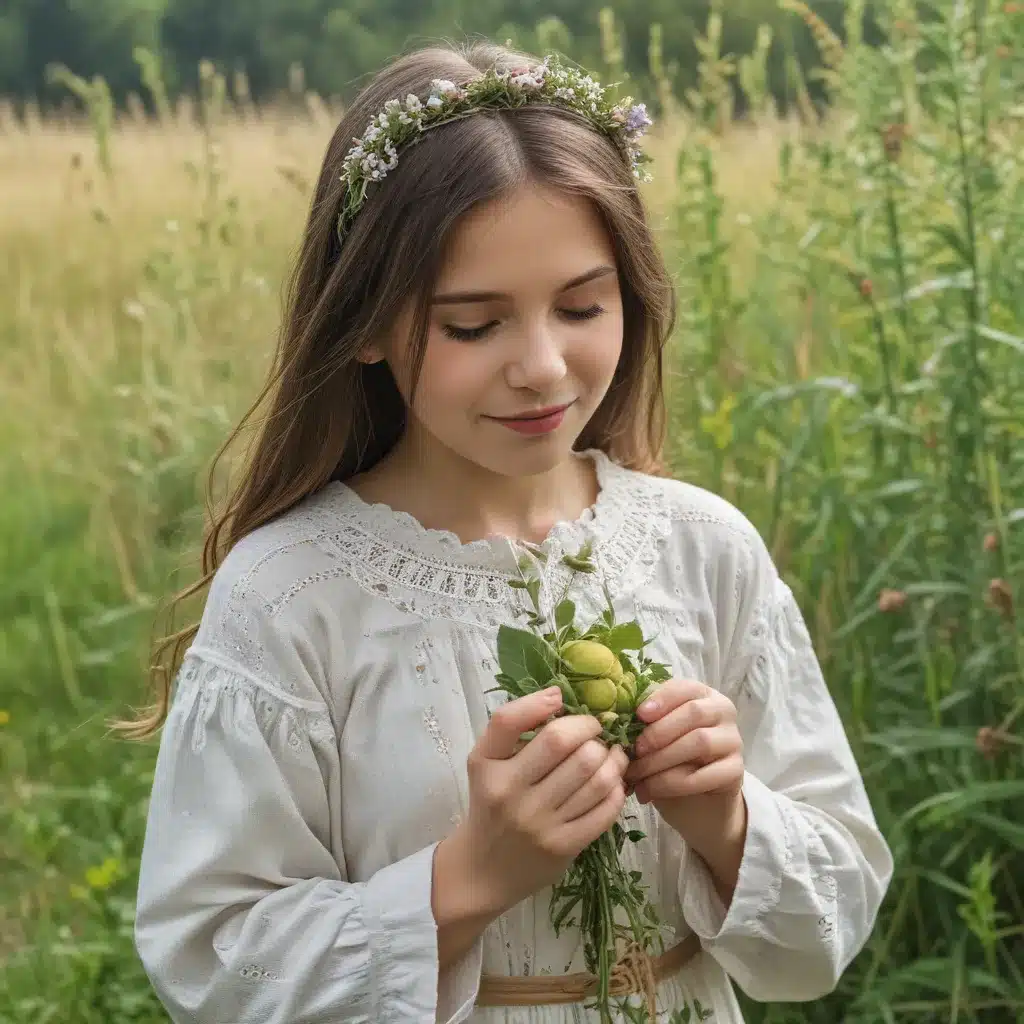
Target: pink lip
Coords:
[(542, 422)]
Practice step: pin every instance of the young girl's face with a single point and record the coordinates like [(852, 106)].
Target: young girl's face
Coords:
[(526, 319)]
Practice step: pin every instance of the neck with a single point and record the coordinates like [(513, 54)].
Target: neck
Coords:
[(447, 492)]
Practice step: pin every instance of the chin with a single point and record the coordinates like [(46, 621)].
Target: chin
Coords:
[(537, 455)]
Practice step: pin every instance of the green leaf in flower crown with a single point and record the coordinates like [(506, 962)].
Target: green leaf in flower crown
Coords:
[(564, 613), (627, 636), (521, 653)]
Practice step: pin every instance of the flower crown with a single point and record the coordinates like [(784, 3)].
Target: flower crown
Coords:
[(403, 122)]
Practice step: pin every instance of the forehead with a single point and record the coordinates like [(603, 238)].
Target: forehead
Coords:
[(531, 236)]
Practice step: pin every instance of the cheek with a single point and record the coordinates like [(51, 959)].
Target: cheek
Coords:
[(454, 377), (596, 353)]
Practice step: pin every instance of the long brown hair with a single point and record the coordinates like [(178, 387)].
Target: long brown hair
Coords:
[(329, 415)]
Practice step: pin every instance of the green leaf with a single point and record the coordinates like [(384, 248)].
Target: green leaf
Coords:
[(946, 805), (627, 636), (558, 919), (564, 613), (521, 653), (579, 564), (517, 584), (569, 697)]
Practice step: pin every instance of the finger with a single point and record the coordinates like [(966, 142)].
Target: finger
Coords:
[(695, 713), (575, 835), (594, 789), (688, 780), (501, 737), (554, 743), (696, 748), (670, 695), (551, 791)]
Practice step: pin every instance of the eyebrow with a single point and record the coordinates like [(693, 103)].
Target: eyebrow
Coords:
[(452, 298)]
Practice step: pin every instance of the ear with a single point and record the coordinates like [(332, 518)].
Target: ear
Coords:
[(370, 355)]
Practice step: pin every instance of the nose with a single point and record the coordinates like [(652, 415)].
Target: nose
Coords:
[(537, 361)]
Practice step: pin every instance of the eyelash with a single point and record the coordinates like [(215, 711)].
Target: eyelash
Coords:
[(475, 333)]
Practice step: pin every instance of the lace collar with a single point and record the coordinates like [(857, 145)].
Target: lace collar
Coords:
[(431, 572), (599, 521)]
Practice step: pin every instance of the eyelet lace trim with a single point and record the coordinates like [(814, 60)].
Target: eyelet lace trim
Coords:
[(432, 574)]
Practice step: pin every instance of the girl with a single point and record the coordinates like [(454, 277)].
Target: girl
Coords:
[(343, 826)]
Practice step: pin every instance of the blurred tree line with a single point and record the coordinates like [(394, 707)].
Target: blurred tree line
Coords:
[(337, 42)]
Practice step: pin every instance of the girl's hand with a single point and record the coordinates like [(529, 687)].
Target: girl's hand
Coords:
[(533, 807), (689, 765)]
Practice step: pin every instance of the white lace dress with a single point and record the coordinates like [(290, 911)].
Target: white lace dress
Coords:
[(315, 754)]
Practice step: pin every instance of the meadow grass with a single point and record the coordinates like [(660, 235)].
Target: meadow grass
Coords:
[(848, 369)]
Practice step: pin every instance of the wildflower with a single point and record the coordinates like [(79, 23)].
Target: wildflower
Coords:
[(991, 542), (989, 741), (412, 102), (891, 600), (134, 310), (435, 102), (444, 87), (867, 289), (104, 875), (893, 136), (1000, 597)]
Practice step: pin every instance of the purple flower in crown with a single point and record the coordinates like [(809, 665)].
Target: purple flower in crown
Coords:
[(637, 119)]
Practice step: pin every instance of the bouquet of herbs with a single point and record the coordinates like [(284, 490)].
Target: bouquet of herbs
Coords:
[(601, 670)]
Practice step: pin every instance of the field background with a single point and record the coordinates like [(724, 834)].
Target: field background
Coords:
[(848, 369)]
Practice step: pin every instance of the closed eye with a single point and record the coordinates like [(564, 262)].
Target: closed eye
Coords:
[(475, 333)]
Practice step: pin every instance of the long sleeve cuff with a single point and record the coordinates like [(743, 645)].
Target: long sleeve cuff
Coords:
[(765, 857), (403, 947)]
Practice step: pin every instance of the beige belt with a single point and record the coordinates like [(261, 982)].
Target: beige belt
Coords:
[(549, 989)]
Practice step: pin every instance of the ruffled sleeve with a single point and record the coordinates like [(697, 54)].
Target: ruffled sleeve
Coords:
[(245, 911), (815, 866)]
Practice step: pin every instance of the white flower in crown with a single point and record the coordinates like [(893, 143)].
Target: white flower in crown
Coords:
[(376, 153), (443, 87)]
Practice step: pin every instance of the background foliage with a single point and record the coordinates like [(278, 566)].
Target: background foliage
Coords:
[(335, 42), (848, 370)]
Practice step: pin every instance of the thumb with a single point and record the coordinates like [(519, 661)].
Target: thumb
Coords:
[(501, 737)]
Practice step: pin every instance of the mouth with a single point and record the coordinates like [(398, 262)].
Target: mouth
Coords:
[(538, 414), (540, 421)]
